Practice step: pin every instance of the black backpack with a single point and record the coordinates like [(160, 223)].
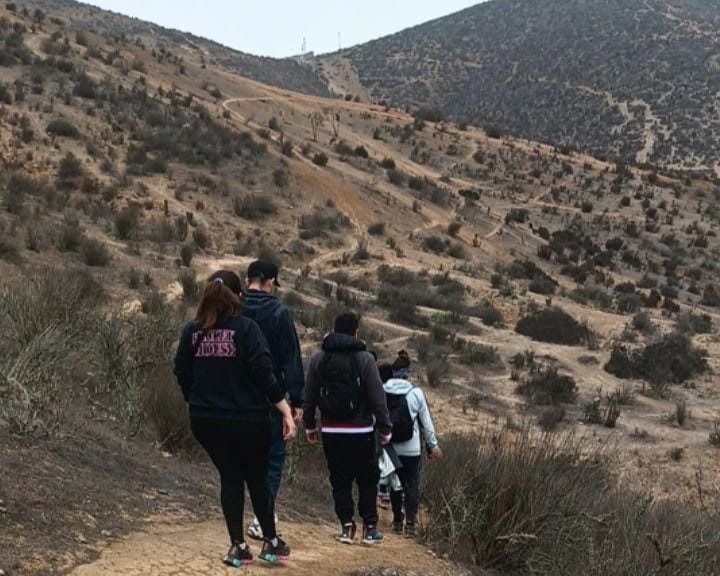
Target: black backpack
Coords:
[(341, 389), (403, 424)]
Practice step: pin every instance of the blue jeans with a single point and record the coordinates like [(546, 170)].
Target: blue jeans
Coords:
[(277, 453)]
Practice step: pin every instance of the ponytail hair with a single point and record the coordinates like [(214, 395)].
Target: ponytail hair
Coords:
[(220, 299)]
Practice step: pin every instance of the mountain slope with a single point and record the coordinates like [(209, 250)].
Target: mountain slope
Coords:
[(277, 72), (130, 169), (630, 79)]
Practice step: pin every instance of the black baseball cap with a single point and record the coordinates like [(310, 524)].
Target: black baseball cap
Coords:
[(263, 270)]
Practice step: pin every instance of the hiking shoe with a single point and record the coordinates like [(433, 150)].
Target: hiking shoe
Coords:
[(238, 555), (410, 531), (371, 536), (254, 530), (347, 533), (398, 528), (277, 553)]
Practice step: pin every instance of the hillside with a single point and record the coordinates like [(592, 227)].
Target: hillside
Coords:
[(633, 80), (544, 295), (277, 72)]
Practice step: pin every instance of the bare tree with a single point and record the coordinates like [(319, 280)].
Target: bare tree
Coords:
[(317, 119), (335, 122)]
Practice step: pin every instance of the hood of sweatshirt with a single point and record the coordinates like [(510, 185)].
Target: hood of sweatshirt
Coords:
[(397, 386), (260, 305), (342, 343)]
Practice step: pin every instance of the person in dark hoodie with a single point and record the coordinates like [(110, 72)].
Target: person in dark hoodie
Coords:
[(261, 305), (344, 383), (224, 369)]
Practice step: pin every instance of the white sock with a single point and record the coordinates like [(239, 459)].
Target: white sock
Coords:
[(274, 541)]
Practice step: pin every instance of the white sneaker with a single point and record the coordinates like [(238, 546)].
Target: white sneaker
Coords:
[(254, 530)]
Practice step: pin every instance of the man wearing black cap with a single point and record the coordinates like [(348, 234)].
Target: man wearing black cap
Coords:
[(261, 305)]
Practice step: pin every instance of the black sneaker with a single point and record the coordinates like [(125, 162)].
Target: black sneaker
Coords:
[(273, 554), (347, 533), (410, 531), (238, 555), (371, 535), (398, 528)]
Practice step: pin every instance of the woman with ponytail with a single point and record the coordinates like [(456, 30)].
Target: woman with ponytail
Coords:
[(225, 372)]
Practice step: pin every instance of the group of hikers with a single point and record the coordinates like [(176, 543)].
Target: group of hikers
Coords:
[(239, 366)]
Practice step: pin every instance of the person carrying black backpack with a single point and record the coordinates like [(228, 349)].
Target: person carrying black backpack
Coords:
[(344, 383), (410, 417)]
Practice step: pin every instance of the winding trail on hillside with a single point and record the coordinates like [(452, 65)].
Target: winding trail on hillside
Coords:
[(196, 549)]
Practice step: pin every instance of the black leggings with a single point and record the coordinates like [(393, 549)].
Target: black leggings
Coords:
[(409, 497), (240, 452)]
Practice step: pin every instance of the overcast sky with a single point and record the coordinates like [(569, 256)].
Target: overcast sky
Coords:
[(277, 27)]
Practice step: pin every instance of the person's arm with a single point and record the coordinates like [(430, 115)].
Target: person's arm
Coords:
[(376, 397), (290, 359), (427, 427), (311, 395), (183, 364), (257, 355)]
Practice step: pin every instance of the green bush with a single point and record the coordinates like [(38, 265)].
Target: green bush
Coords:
[(254, 207), (187, 253), (551, 417), (552, 325), (69, 171), (95, 252), (189, 284), (320, 159), (548, 386), (670, 360), (473, 354), (321, 222), (280, 178), (488, 314), (63, 128), (396, 177), (434, 244), (126, 222), (388, 164), (376, 229)]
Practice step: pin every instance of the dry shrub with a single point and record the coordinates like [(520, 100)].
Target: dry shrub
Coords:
[(132, 359), (167, 414), (43, 332), (545, 505)]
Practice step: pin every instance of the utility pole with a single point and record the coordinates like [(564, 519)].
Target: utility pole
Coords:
[(339, 42)]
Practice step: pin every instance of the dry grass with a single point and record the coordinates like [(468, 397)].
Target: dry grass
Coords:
[(545, 505)]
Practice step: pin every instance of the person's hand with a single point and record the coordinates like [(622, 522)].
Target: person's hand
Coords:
[(385, 439), (289, 427), (311, 436), (435, 453), (297, 414)]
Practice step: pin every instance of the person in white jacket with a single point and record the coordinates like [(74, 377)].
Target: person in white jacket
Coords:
[(400, 391)]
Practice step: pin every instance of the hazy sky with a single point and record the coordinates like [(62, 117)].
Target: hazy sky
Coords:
[(277, 27)]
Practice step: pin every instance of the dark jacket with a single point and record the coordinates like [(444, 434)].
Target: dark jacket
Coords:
[(227, 372), (278, 327), (373, 410)]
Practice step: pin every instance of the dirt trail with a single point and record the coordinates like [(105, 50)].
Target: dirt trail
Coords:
[(193, 549)]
